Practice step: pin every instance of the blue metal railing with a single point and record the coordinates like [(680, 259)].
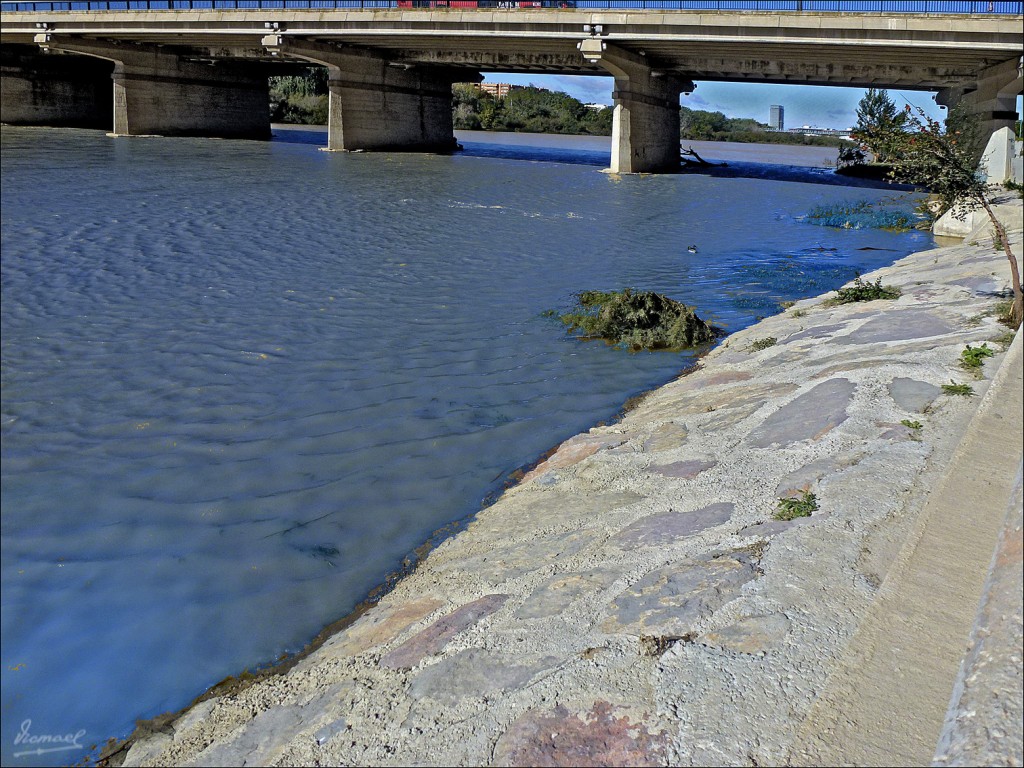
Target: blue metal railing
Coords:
[(928, 7)]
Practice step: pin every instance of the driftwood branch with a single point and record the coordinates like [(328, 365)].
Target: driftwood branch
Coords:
[(698, 160)]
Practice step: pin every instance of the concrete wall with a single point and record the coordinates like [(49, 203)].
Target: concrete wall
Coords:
[(54, 90)]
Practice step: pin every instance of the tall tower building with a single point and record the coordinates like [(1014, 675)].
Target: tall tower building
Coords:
[(777, 118)]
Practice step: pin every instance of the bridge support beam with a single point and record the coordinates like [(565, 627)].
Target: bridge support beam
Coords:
[(379, 105), (58, 91), (163, 94), (992, 100), (645, 125)]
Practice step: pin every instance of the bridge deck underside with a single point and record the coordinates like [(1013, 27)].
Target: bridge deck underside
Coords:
[(838, 49)]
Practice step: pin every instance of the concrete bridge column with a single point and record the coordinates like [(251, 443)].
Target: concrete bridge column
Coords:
[(992, 99), (54, 90), (380, 105), (645, 127), (156, 92)]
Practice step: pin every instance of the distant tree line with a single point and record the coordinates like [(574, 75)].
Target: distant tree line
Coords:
[(699, 125), (300, 98), (529, 110), (303, 99)]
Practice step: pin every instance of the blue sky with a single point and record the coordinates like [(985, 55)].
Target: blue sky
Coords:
[(819, 106)]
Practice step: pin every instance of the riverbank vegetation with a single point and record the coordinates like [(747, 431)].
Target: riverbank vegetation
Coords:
[(943, 158)]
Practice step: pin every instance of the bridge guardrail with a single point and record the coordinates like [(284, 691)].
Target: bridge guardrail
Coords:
[(925, 7)]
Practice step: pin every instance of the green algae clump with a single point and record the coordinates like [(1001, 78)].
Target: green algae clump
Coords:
[(638, 320)]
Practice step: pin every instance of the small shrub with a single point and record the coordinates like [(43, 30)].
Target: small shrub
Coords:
[(915, 425), (965, 390), (973, 358), (863, 291), (768, 341), (790, 509), (799, 312)]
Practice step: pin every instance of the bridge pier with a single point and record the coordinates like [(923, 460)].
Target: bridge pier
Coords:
[(54, 90), (992, 99), (161, 93), (379, 105), (645, 125)]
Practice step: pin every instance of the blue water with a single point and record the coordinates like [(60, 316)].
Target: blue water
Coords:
[(242, 381)]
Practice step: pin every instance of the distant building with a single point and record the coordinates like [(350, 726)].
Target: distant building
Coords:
[(810, 130), (776, 118), (498, 90)]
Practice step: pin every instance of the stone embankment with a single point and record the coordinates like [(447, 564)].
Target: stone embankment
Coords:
[(633, 601)]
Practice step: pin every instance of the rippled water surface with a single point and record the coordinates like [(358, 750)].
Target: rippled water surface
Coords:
[(241, 381)]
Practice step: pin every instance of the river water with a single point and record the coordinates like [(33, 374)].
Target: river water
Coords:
[(242, 381)]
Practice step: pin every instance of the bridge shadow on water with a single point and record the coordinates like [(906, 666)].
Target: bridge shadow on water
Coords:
[(531, 152)]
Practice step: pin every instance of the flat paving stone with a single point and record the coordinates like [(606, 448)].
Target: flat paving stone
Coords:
[(264, 737), (658, 530), (498, 564), (477, 672), (754, 635), (378, 627), (562, 590), (817, 332), (432, 639), (670, 600), (684, 470), (575, 450), (596, 737), (808, 417), (666, 437), (899, 326), (536, 509), (810, 474), (913, 395)]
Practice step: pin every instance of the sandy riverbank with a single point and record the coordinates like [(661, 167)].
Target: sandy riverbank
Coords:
[(633, 602)]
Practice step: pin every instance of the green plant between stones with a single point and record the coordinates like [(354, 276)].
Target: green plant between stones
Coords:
[(791, 509), (964, 390), (759, 344), (972, 358), (864, 291)]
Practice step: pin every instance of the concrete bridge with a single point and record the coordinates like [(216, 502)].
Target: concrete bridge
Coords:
[(200, 67)]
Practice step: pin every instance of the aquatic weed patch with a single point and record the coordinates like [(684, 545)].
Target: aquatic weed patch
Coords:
[(862, 214), (637, 320)]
